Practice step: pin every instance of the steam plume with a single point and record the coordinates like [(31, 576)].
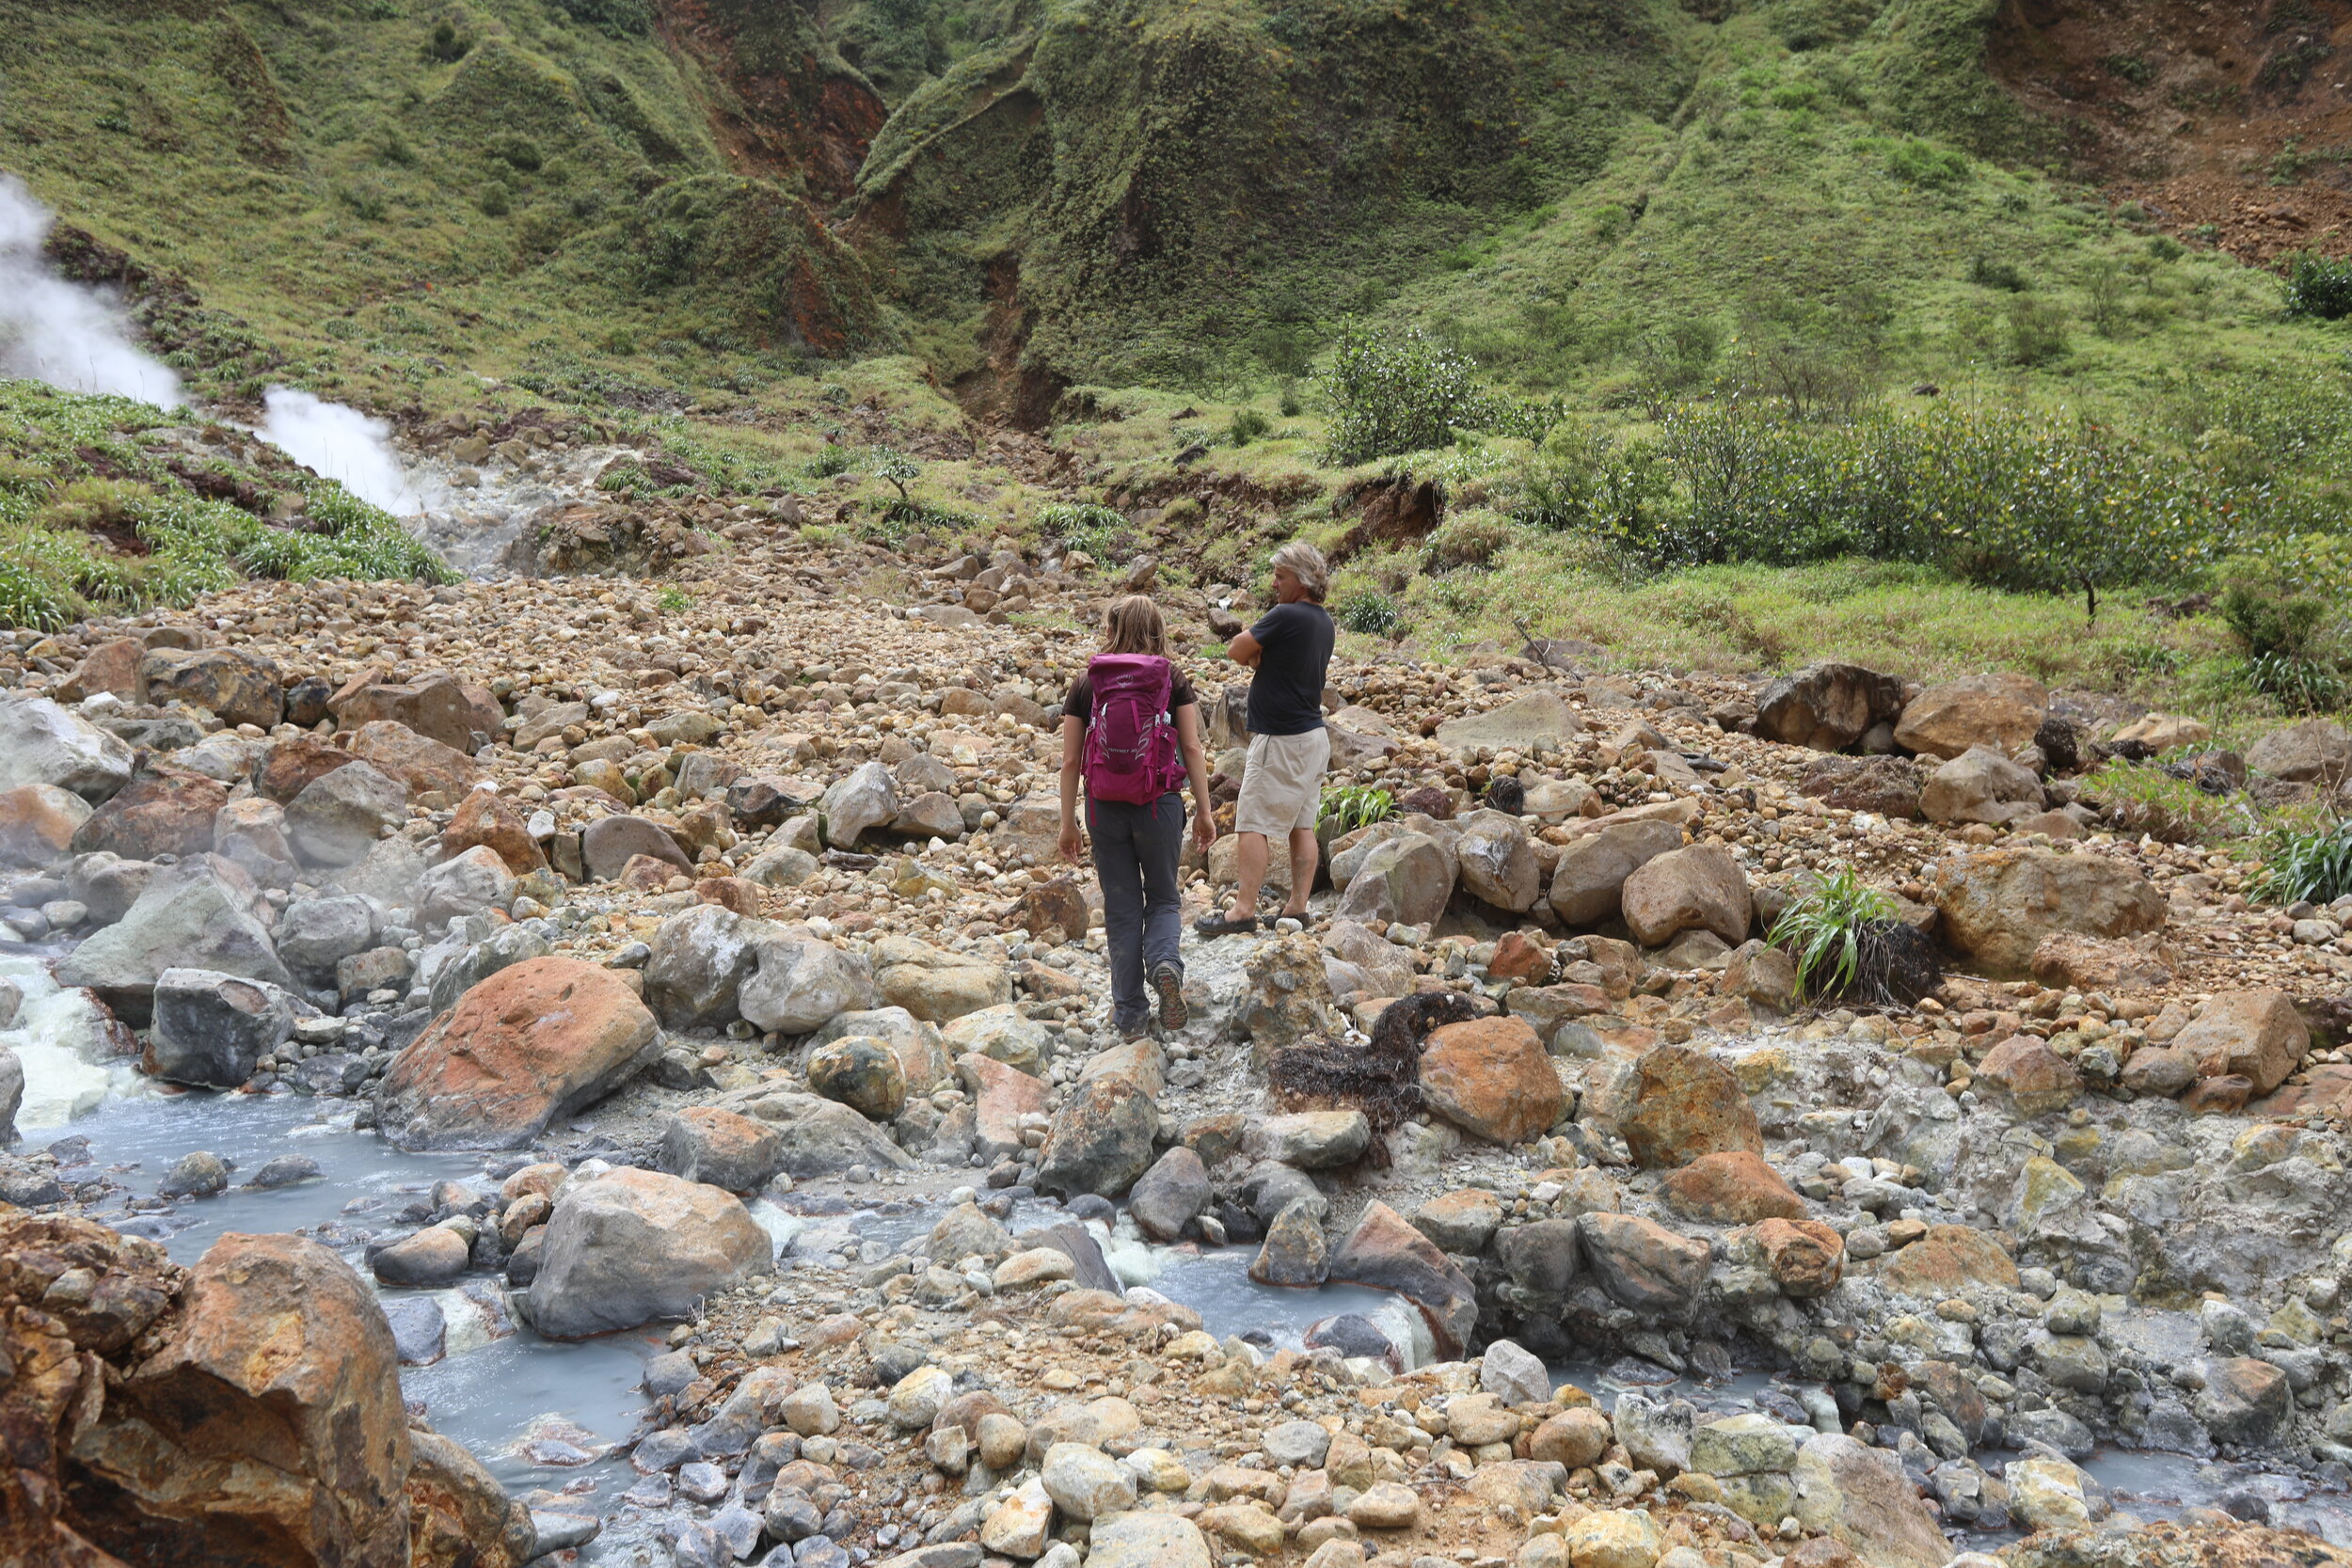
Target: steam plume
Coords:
[(342, 444), (58, 332)]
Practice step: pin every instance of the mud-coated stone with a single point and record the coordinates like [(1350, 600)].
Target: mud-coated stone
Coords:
[(2244, 1400), (437, 706), (636, 1245), (1491, 1077), (484, 819), (863, 1073), (1700, 888), (1294, 1252), (534, 1041), (1998, 905), (2001, 712), (1641, 1262), (1947, 1260)]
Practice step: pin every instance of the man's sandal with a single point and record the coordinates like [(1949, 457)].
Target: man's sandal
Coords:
[(1220, 926)]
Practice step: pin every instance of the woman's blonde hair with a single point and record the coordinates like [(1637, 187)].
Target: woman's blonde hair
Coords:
[(1133, 625)]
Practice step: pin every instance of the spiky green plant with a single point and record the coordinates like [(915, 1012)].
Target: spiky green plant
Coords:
[(1346, 810), (2300, 864), (1822, 929)]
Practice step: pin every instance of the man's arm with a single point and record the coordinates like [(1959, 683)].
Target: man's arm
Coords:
[(1244, 649)]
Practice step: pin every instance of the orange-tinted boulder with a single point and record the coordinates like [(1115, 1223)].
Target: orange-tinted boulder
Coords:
[(1491, 1077), (1732, 1187), (488, 820), (1686, 1103), (1947, 1259), (534, 1041), (289, 766), (423, 765), (160, 812), (1805, 1256)]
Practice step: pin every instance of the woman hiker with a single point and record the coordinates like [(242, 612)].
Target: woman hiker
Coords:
[(1282, 783), (1132, 725)]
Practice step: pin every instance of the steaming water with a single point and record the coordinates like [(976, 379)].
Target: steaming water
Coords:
[(496, 1394), (58, 332), (342, 444)]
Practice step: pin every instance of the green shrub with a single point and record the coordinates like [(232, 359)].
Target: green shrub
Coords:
[(1923, 163), (2306, 864), (446, 47), (1086, 526), (494, 202), (1370, 611), (620, 18), (1822, 928), (2299, 684), (2143, 800), (1248, 424), (2319, 288), (520, 152), (1407, 393), (1986, 272), (2037, 331)]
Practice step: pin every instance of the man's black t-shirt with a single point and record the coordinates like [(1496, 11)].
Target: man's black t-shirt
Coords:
[(1286, 697)]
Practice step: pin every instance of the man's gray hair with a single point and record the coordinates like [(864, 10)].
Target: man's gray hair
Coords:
[(1305, 563)]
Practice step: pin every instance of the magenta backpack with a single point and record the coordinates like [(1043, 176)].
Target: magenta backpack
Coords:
[(1131, 750)]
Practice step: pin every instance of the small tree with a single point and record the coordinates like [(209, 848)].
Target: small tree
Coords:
[(1408, 392)]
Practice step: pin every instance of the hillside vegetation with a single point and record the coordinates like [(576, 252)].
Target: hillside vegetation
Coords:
[(1756, 285)]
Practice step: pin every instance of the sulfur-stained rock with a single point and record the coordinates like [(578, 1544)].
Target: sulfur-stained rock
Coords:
[(702, 1143), (37, 824), (2035, 1078), (1491, 1077), (241, 687), (1731, 1187), (1999, 904), (532, 1042), (488, 820), (1686, 1103), (2253, 1034), (160, 812), (1642, 1263)]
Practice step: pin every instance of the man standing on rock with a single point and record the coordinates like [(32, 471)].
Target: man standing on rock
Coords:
[(1281, 786)]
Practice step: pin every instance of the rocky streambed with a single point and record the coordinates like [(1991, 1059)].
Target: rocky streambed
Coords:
[(672, 1032)]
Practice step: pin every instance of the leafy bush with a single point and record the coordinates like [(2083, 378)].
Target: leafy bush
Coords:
[(2299, 684), (1923, 163), (2037, 331), (1822, 929), (620, 18), (1246, 427), (2319, 288), (1407, 393), (1346, 810), (2299, 863), (2004, 499), (1986, 272), (447, 47), (1370, 611)]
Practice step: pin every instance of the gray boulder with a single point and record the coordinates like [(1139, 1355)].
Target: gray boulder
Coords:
[(41, 743), (464, 884), (608, 844), (2314, 750), (803, 985), (635, 1246), (313, 933), (451, 968), (190, 917), (1169, 1194), (211, 1028), (1980, 785), (701, 957), (11, 1094), (823, 1137), (1498, 861), (338, 816), (863, 800)]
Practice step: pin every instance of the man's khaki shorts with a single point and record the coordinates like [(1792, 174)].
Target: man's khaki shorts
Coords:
[(1281, 786)]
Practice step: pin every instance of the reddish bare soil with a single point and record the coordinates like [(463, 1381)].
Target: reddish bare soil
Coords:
[(2228, 123)]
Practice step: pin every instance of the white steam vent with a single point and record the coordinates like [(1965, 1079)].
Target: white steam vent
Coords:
[(58, 332), (342, 444)]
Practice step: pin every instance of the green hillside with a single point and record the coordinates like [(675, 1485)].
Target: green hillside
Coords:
[(1145, 223)]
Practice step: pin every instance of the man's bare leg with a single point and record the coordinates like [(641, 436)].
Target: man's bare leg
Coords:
[(1303, 850), (1249, 861)]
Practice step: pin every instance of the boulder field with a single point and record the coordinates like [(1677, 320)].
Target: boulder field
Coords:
[(705, 929)]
